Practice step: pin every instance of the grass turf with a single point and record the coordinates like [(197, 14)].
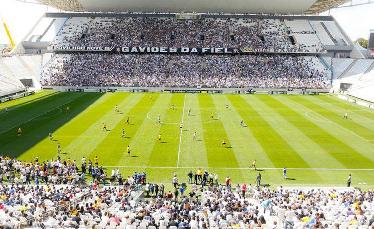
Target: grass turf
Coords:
[(306, 134)]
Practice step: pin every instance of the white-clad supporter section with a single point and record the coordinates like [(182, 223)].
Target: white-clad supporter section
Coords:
[(206, 71), (339, 189), (210, 71), (316, 64), (257, 33), (134, 200)]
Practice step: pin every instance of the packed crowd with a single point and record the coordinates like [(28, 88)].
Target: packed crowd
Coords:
[(262, 34), (76, 205), (192, 71), (61, 172)]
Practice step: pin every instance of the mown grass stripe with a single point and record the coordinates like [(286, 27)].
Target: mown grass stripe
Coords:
[(143, 140), (356, 118), (329, 145), (245, 146), (114, 145), (193, 152), (26, 113), (218, 155), (14, 104), (335, 117), (29, 144), (165, 152), (352, 140), (85, 111), (10, 124), (278, 150), (74, 128), (308, 150), (86, 146), (351, 107)]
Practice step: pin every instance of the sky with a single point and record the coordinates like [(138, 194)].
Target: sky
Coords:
[(20, 18), (356, 21)]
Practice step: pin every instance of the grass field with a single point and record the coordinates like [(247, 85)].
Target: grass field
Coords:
[(306, 134)]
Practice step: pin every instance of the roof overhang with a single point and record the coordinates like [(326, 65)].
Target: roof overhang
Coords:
[(199, 6)]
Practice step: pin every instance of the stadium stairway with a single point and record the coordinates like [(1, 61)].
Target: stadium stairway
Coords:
[(360, 67), (347, 70), (371, 68)]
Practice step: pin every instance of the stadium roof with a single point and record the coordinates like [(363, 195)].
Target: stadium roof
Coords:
[(203, 6)]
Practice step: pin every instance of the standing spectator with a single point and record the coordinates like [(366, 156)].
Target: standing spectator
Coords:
[(349, 180), (228, 183), (244, 190), (258, 180), (190, 174), (284, 173), (175, 181)]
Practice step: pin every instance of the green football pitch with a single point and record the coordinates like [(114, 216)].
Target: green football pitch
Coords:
[(306, 134)]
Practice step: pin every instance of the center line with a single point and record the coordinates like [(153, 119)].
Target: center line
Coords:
[(181, 130)]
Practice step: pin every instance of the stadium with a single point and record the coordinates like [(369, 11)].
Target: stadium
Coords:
[(186, 114)]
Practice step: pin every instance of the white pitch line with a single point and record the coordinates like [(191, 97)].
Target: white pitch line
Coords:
[(181, 131), (245, 168)]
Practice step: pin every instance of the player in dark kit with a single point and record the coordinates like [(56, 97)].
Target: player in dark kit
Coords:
[(123, 132), (128, 120), (58, 150), (258, 180), (285, 173), (128, 150)]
